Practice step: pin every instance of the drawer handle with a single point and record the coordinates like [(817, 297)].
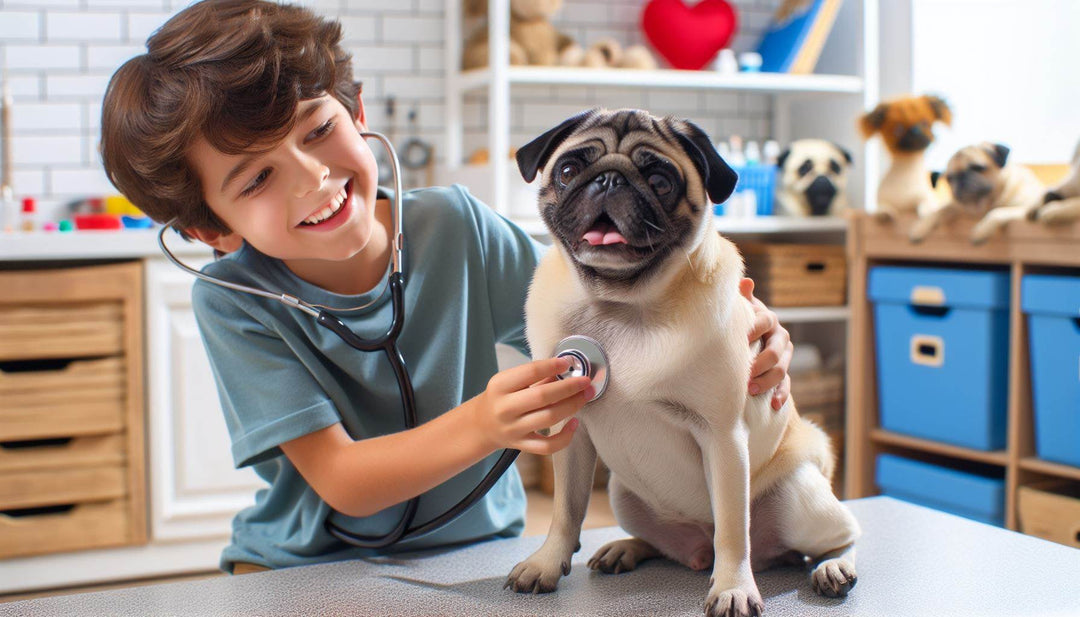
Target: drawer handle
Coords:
[(927, 350), (925, 295), (815, 266), (34, 366), (38, 511), (35, 443), (929, 311)]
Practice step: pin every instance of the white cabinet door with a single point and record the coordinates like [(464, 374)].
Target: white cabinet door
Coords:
[(194, 488)]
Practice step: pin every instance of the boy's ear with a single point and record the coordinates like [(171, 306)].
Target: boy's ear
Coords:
[(361, 117), (221, 241)]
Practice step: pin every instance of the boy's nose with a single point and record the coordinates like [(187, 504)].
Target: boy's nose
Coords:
[(312, 175)]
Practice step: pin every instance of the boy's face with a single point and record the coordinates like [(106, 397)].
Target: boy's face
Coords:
[(311, 197)]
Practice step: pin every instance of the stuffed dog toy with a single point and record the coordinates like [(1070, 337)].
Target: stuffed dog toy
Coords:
[(813, 178), (984, 186), (1061, 204), (906, 127), (701, 472)]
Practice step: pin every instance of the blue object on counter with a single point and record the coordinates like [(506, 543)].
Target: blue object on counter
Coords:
[(1052, 304), (942, 339), (758, 178), (962, 493), (137, 222)]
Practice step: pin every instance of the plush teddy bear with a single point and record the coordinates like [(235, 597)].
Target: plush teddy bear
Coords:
[(608, 53), (533, 40)]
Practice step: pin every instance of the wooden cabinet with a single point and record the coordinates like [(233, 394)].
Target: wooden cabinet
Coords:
[(1024, 248), (195, 490), (72, 463)]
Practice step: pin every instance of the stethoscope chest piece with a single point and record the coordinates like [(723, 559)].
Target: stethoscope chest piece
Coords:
[(587, 359)]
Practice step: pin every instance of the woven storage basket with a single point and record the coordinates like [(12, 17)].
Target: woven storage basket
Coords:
[(797, 274), (819, 396)]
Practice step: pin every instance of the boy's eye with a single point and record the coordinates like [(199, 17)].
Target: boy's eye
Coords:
[(256, 183), (323, 130)]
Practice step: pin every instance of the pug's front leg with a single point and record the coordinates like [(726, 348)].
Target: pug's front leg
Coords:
[(725, 453), (995, 220), (574, 469)]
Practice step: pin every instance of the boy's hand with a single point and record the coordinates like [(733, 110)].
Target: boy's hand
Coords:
[(771, 364), (521, 401)]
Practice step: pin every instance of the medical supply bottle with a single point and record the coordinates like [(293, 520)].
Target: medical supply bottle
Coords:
[(26, 216)]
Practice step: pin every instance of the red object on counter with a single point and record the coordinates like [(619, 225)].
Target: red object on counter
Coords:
[(28, 205), (97, 221)]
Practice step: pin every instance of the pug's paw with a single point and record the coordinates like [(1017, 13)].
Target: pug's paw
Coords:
[(621, 555), (920, 229), (738, 602), (833, 578), (537, 574), (1059, 213), (983, 231)]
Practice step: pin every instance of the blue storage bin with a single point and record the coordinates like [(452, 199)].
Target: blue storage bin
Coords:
[(942, 339), (758, 178), (962, 493), (1052, 304)]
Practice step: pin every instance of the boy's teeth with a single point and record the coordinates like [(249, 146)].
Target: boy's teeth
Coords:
[(325, 213)]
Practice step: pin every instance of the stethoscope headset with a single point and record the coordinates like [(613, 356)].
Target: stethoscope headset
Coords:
[(587, 358)]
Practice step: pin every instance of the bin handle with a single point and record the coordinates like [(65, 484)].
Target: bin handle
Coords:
[(928, 296), (928, 350)]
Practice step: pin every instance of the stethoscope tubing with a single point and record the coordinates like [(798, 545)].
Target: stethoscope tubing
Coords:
[(387, 342)]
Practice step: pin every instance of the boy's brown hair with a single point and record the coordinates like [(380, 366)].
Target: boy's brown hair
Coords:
[(231, 71)]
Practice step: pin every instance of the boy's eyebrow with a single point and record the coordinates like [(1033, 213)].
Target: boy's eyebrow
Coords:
[(247, 160)]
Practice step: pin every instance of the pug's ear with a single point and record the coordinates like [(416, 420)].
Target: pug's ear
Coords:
[(844, 152), (783, 157), (532, 157), (999, 153), (719, 178), (872, 122), (940, 108)]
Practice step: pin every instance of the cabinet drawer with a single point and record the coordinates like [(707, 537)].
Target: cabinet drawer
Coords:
[(89, 525), (62, 453), (67, 421), (32, 489), (1051, 510), (58, 330)]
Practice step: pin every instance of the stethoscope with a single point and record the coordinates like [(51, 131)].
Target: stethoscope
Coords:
[(586, 355)]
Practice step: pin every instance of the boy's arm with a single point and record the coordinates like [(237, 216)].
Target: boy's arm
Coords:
[(360, 478)]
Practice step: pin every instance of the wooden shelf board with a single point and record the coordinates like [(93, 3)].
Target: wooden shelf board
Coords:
[(996, 457), (809, 314), (1032, 463)]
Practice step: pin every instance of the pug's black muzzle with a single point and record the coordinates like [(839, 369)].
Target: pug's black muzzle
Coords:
[(914, 140), (820, 195), (969, 186)]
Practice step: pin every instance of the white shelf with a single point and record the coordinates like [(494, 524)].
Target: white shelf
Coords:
[(708, 80), (808, 314), (96, 244), (733, 225)]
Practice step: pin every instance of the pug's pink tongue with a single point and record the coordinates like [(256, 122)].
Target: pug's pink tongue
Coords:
[(603, 236)]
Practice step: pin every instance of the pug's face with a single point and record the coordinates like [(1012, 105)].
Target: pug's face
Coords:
[(623, 190), (817, 170), (974, 175)]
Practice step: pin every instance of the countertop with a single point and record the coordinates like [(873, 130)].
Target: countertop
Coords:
[(127, 244), (912, 561)]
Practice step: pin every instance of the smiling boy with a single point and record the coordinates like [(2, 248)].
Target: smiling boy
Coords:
[(242, 122)]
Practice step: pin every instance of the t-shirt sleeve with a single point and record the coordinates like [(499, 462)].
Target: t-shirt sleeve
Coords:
[(268, 396), (510, 258)]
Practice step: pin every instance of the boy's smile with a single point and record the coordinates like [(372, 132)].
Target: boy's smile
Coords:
[(309, 200)]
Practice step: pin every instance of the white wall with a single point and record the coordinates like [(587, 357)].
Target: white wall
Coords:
[(61, 53), (1006, 67)]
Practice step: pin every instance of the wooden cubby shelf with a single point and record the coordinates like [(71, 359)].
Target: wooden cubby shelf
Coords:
[(995, 457), (1023, 248)]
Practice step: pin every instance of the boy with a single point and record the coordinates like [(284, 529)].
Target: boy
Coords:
[(242, 121)]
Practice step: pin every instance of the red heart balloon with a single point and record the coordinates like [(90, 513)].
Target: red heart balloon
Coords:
[(688, 37)]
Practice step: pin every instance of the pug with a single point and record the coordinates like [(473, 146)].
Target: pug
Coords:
[(1061, 203), (984, 185), (813, 178), (701, 472), (906, 126)]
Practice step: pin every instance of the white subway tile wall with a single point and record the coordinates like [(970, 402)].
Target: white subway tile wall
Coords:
[(60, 55)]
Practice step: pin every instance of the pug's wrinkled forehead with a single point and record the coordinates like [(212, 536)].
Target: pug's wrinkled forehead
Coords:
[(630, 139)]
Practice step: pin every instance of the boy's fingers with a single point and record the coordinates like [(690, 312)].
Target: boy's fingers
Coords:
[(538, 444), (521, 377), (746, 288), (764, 321), (547, 395), (769, 379), (780, 396), (550, 416)]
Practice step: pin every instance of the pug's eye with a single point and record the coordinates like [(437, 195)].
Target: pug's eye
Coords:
[(834, 166), (805, 168), (660, 184), (568, 172), (977, 168)]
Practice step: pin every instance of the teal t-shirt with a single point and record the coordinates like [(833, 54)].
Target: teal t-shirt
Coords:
[(281, 376)]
